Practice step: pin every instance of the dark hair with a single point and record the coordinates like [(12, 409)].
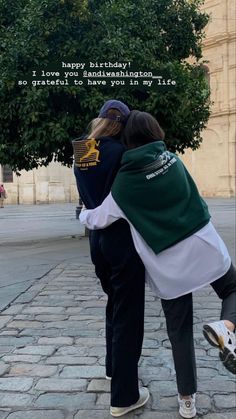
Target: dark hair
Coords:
[(141, 128)]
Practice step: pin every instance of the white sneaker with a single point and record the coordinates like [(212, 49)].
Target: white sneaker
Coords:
[(218, 335), (187, 407), (108, 378), (143, 398)]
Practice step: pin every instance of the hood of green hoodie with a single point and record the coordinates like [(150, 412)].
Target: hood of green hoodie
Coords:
[(158, 196)]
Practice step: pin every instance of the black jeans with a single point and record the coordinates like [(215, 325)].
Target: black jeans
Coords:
[(122, 277), (179, 321)]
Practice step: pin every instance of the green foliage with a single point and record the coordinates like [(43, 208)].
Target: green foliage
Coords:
[(37, 124)]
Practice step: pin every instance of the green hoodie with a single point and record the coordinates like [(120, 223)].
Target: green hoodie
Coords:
[(158, 196)]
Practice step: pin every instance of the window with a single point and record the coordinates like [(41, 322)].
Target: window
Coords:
[(7, 174)]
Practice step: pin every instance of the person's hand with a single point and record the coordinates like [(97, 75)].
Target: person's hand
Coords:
[(83, 207)]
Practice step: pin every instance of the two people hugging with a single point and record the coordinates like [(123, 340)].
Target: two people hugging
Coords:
[(148, 222)]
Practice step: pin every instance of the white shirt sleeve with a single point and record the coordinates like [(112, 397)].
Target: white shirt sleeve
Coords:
[(104, 215)]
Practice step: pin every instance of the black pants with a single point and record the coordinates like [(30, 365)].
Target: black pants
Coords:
[(122, 277), (179, 321)]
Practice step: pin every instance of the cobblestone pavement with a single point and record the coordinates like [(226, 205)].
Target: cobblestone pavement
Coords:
[(52, 354)]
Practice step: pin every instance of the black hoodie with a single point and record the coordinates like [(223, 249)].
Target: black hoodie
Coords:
[(97, 162)]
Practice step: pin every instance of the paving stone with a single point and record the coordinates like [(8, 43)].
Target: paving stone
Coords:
[(83, 297), (83, 333), (207, 372), (163, 388), (150, 343), (66, 324), (36, 350), (5, 349), (97, 350), (149, 352), (164, 403), (217, 385), (99, 386), (85, 324), (43, 310), (60, 384), (72, 360), (27, 297), (9, 332), (24, 317), (157, 415), (54, 302), (15, 400), (63, 298), (153, 326), (3, 368), (152, 361), (223, 415), (4, 320), (33, 370), (104, 400), (39, 332), (96, 325), (227, 401), (56, 341), (37, 414), (3, 414), (83, 372), (213, 352), (51, 317), (21, 324), (21, 358), (90, 342), (15, 384), (102, 360), (67, 401), (91, 303), (15, 341), (98, 414), (61, 304), (73, 350), (200, 352), (211, 363), (97, 310), (155, 373), (204, 403), (77, 310), (56, 294)]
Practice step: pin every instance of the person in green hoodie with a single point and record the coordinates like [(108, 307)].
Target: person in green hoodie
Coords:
[(180, 248)]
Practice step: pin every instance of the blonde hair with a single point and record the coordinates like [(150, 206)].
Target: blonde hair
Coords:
[(104, 126)]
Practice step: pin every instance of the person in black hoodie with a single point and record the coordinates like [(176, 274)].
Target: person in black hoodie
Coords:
[(117, 265)]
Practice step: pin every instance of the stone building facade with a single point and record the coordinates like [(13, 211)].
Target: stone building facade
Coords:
[(52, 184), (212, 165)]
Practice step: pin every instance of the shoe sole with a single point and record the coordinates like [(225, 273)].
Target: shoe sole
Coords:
[(227, 358), (215, 340), (188, 416), (116, 415)]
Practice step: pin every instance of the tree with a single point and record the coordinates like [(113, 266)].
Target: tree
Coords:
[(38, 123)]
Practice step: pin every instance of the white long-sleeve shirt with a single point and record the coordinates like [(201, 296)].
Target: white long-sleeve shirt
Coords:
[(189, 265)]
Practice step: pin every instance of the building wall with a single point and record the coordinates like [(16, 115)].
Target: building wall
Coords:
[(212, 165), (51, 184)]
